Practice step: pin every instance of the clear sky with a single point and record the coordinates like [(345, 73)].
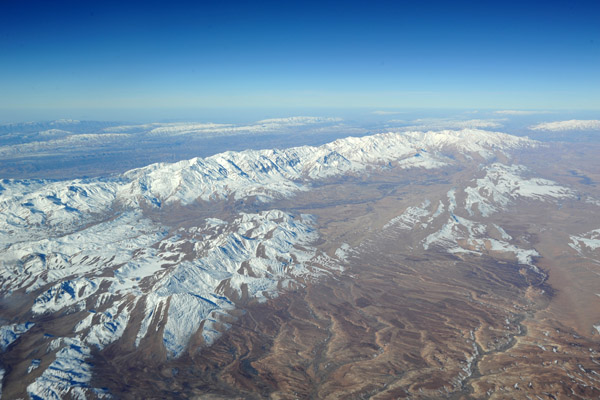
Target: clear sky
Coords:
[(62, 55)]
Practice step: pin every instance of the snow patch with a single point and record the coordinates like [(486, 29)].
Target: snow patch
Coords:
[(10, 333), (410, 217), (35, 363), (343, 252)]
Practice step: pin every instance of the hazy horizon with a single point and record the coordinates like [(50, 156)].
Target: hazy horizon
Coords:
[(251, 114)]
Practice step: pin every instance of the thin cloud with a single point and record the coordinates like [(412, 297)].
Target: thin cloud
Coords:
[(435, 123), (387, 112), (212, 129), (520, 112), (570, 125), (293, 121)]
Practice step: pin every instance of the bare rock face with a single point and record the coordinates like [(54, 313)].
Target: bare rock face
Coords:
[(400, 265)]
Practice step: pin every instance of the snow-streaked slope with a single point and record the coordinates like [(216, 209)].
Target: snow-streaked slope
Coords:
[(266, 174), (44, 208), (461, 235), (182, 282), (410, 217), (503, 184), (591, 240), (252, 257), (31, 264), (458, 223), (132, 257), (344, 252), (587, 245), (10, 333), (68, 375), (269, 174)]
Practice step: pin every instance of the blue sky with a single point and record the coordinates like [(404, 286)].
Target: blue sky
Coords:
[(101, 55)]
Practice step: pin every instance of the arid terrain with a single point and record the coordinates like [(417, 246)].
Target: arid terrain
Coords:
[(417, 292)]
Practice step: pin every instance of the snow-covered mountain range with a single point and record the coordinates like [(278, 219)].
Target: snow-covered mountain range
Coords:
[(92, 253), (265, 174)]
